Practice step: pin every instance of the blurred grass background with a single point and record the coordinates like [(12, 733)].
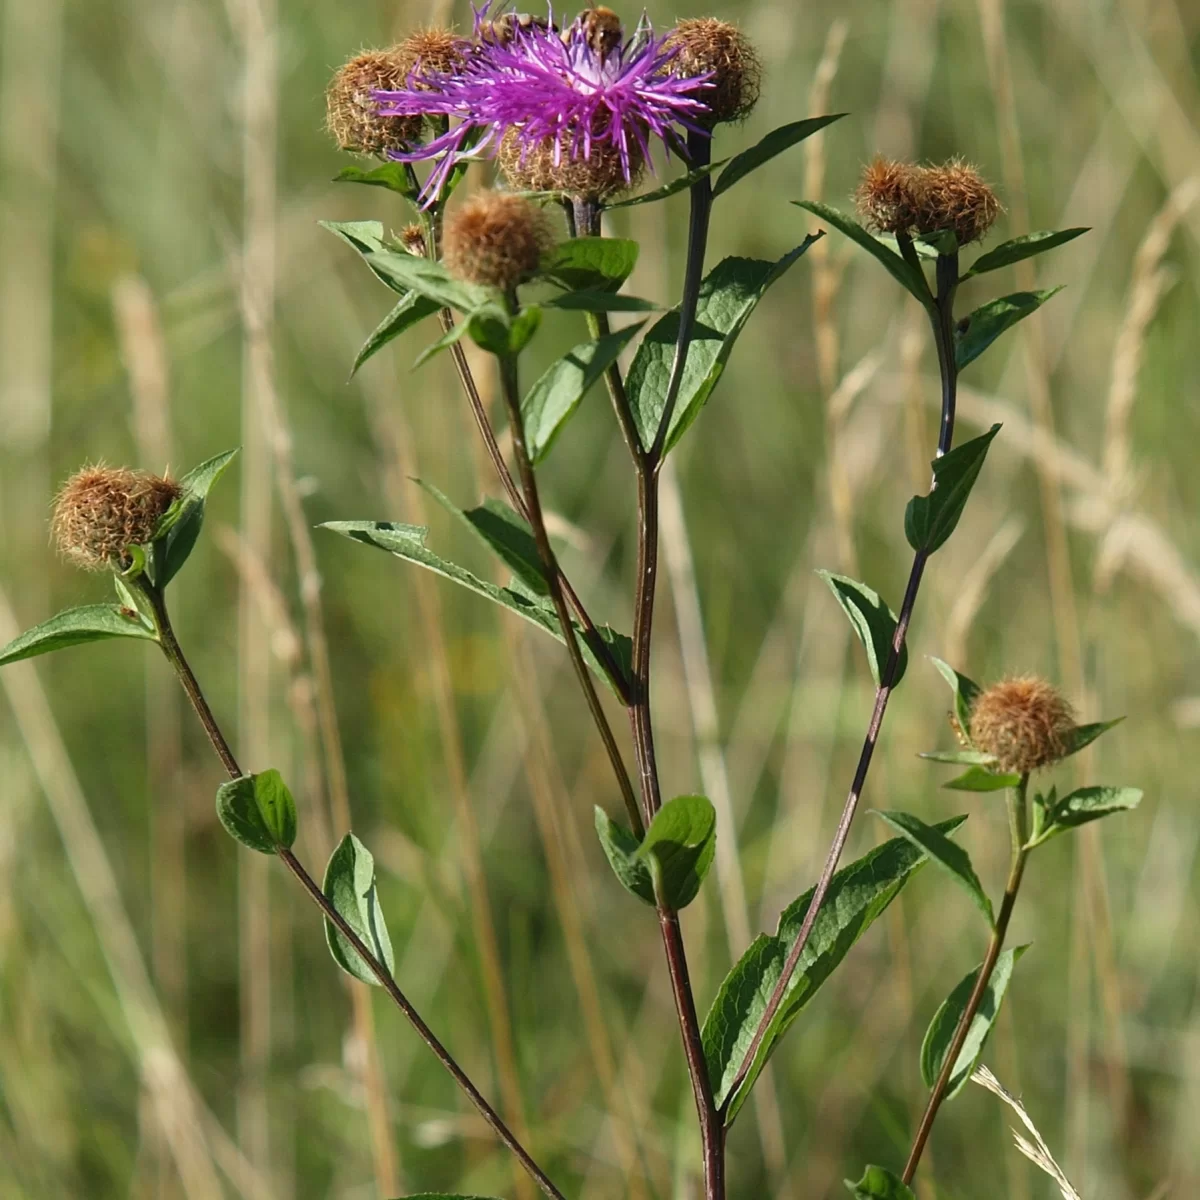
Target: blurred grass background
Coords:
[(170, 1024)]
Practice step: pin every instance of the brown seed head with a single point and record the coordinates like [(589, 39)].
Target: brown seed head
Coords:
[(495, 239), (706, 45), (351, 112), (1023, 722), (412, 238), (889, 196), (596, 177), (955, 196), (432, 51), (102, 511)]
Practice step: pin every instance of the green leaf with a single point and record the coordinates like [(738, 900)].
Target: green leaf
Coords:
[(365, 237), (680, 184), (857, 895), (965, 692), (775, 142), (444, 1196), (620, 848), (408, 542), (394, 176), (923, 249), (982, 327), (551, 402), (1020, 248), (878, 1183), (948, 855), (1084, 735), (873, 621), (449, 337), (941, 1029), (350, 887), (74, 627), (905, 274), (681, 840), (410, 309), (495, 331), (408, 273), (589, 301), (258, 811), (1087, 804), (177, 532), (963, 758), (930, 520), (596, 264), (728, 295), (942, 242), (980, 779), (504, 532)]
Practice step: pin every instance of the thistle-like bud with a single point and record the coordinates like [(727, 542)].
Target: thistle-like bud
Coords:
[(495, 239), (708, 46), (888, 196), (352, 113), (1023, 722), (955, 196), (539, 168), (431, 52), (412, 238), (101, 511)]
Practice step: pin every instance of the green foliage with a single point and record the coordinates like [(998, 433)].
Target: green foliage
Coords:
[(965, 693), (982, 779), (598, 264), (982, 327), (1084, 805), (774, 143), (350, 887), (681, 183), (857, 895), (258, 811), (409, 273), (878, 1183), (592, 301), (873, 621), (410, 309), (940, 1034), (948, 855), (74, 627), (1020, 248), (930, 520), (176, 535), (1084, 735), (394, 176), (408, 542), (728, 295), (679, 847), (554, 398), (621, 849)]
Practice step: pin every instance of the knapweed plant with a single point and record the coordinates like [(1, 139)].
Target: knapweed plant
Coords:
[(504, 149)]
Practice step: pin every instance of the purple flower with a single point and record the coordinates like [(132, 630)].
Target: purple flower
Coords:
[(586, 88)]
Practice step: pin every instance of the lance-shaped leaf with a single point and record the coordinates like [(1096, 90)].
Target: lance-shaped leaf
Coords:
[(258, 811), (728, 295), (176, 535), (948, 855), (365, 237), (680, 183), (907, 275), (965, 693), (678, 848), (406, 272), (74, 627), (553, 399), (408, 542), (396, 177), (1079, 736), (410, 309), (857, 895), (873, 621), (1084, 805), (962, 758), (350, 887), (982, 779), (930, 520), (940, 1033), (982, 327), (878, 1183), (593, 301), (774, 143), (597, 264), (1020, 248), (621, 849)]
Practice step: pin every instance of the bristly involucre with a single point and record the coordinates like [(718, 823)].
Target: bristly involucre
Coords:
[(573, 91), (1023, 722), (496, 239)]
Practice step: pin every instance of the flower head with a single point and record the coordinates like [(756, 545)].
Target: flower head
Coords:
[(588, 89), (101, 511), (351, 112), (710, 47), (904, 198), (1023, 722), (495, 239)]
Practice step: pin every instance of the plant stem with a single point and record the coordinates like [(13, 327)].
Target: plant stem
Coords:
[(175, 656), (1018, 822), (533, 507), (941, 314)]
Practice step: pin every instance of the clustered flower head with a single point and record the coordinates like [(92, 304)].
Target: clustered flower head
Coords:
[(1023, 722), (496, 239), (558, 97), (101, 511), (904, 198), (707, 46)]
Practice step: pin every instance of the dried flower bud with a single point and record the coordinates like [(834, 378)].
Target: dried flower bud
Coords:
[(430, 52), (955, 196), (102, 511), (1023, 722), (888, 196), (708, 46), (597, 177), (496, 239), (351, 112), (412, 238)]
